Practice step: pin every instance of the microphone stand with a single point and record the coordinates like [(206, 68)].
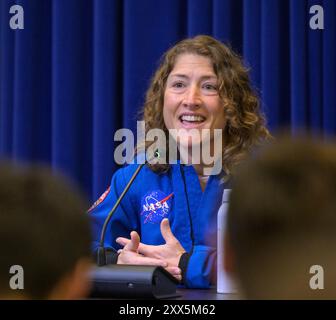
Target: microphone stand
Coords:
[(137, 281), (105, 255)]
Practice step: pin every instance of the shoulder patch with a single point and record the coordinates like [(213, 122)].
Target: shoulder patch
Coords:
[(155, 206), (100, 200)]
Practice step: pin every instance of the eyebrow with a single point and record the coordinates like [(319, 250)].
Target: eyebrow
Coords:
[(206, 77)]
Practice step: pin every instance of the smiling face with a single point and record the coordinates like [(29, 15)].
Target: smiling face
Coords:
[(191, 98)]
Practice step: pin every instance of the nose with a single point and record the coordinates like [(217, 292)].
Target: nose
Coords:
[(192, 98)]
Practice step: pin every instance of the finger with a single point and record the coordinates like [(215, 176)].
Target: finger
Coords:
[(134, 243), (130, 257), (166, 231), (179, 278), (175, 271), (122, 241), (120, 250), (144, 249), (150, 261), (147, 250)]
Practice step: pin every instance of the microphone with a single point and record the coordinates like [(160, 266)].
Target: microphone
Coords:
[(109, 255), (128, 281)]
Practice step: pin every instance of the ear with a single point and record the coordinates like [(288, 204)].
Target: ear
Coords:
[(76, 284), (228, 256)]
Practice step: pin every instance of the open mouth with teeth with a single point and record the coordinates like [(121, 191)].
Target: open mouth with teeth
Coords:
[(191, 119)]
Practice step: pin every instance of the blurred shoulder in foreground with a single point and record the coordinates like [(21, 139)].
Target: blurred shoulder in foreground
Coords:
[(281, 222), (44, 236)]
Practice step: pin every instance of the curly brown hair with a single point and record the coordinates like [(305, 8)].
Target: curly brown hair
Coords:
[(245, 125)]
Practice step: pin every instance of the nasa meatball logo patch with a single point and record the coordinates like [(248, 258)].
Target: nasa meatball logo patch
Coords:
[(155, 206)]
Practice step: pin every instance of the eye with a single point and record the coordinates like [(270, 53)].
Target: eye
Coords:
[(178, 84), (210, 87)]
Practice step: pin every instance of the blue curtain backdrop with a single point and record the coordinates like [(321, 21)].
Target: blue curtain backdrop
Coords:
[(79, 69)]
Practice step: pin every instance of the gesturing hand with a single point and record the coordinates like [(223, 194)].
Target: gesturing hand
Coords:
[(130, 255), (170, 252)]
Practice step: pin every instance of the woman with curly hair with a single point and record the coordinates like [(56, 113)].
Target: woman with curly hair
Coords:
[(200, 95)]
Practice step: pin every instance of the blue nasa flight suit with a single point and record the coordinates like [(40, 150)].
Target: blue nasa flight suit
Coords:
[(176, 195)]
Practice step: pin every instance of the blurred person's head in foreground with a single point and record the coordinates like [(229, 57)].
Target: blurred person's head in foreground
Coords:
[(282, 222), (44, 230)]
